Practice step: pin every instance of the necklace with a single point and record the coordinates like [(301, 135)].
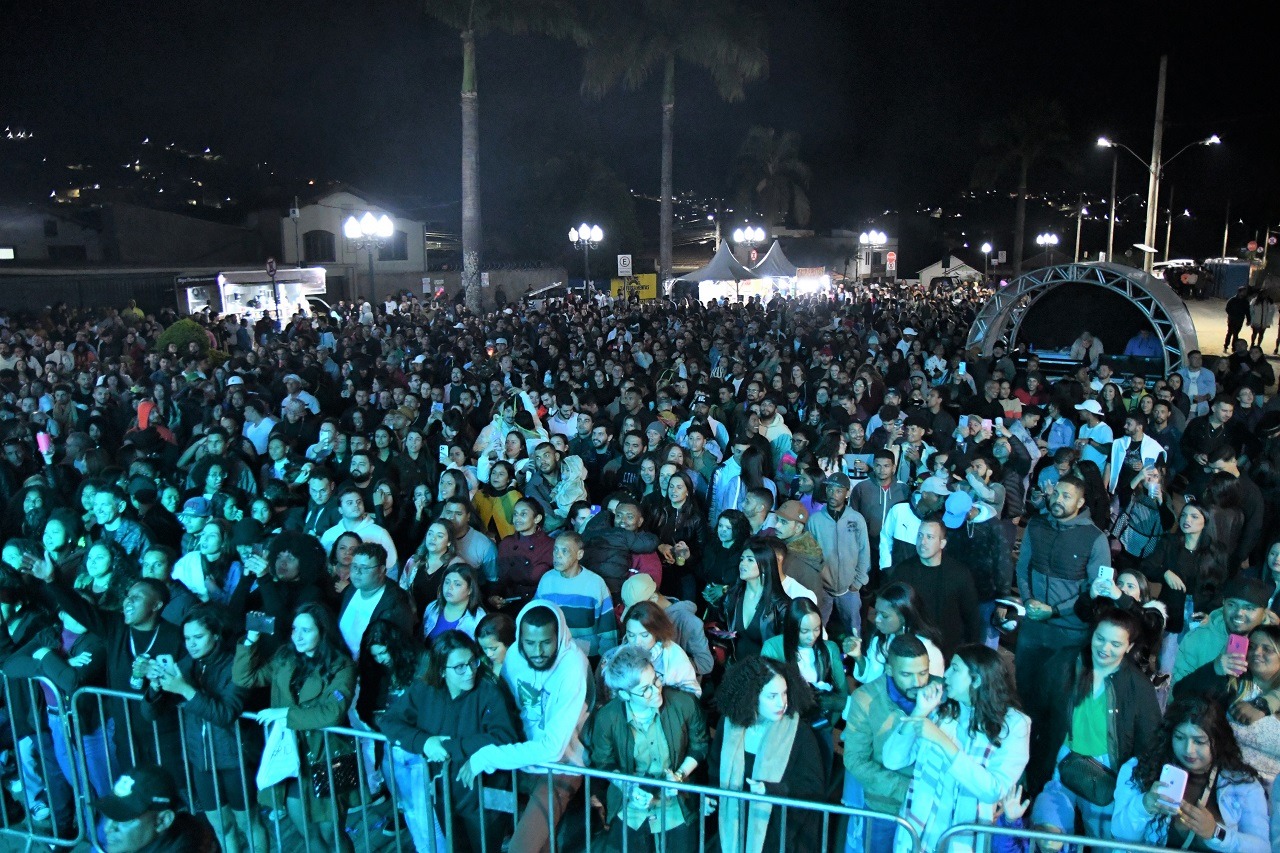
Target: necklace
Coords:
[(133, 646)]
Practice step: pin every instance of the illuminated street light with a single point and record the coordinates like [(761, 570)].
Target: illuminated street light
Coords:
[(1155, 170), (369, 232), (1047, 241), (986, 256), (586, 237)]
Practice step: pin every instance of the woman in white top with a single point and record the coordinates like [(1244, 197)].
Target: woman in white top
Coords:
[(968, 746), (648, 626), (897, 611)]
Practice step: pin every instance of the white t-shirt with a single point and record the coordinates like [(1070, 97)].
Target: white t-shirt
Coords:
[(355, 619)]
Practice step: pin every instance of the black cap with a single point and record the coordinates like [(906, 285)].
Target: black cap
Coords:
[(143, 789)]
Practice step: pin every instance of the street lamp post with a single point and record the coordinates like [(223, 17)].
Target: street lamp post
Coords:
[(1047, 241), (1155, 169), (369, 233), (986, 257), (751, 236), (1081, 212), (871, 240), (586, 237)]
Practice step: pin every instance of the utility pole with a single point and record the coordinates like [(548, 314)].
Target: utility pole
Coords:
[(1111, 228), (1153, 185)]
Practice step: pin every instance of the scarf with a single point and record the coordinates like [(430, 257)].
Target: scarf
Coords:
[(771, 762)]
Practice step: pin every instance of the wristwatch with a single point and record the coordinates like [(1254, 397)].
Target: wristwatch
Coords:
[(1219, 832)]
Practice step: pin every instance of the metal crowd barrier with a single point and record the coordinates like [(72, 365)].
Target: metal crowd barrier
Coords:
[(703, 793), (30, 740), (36, 760), (1082, 842)]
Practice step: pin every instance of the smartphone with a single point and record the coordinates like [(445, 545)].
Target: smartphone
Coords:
[(1106, 574), (165, 661), (986, 424), (444, 454), (258, 621), (437, 407), (1173, 785), (1238, 645), (999, 421), (44, 442), (963, 366)]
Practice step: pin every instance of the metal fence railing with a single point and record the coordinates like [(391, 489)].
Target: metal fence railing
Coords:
[(963, 833), (65, 752), (46, 786)]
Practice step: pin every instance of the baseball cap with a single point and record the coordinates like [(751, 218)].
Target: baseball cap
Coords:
[(1090, 406), (637, 588), (701, 399), (838, 480), (143, 789), (198, 507), (234, 380), (793, 511), (909, 331), (934, 486), (1251, 590), (293, 377), (958, 506), (143, 489)]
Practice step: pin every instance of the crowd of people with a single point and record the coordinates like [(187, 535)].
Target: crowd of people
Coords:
[(814, 549)]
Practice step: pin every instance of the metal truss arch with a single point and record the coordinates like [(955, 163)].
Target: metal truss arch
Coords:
[(1000, 319)]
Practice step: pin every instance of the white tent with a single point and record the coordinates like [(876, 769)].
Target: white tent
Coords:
[(950, 267)]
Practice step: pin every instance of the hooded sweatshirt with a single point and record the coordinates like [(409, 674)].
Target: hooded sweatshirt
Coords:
[(552, 703)]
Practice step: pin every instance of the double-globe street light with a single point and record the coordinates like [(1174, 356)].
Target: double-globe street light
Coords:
[(1047, 241), (869, 241), (586, 237), (1155, 170), (369, 233)]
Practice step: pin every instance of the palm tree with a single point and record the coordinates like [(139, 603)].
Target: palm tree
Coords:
[(1037, 132), (472, 18), (771, 177), (627, 41)]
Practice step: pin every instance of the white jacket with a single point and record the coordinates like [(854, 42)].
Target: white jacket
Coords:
[(552, 702)]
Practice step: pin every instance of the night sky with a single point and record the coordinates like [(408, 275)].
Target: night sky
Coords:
[(888, 97)]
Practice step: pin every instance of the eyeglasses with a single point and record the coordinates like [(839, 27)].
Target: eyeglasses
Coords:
[(646, 692), (464, 668)]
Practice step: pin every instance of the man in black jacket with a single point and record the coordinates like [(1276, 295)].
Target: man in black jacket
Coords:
[(321, 511), (945, 587)]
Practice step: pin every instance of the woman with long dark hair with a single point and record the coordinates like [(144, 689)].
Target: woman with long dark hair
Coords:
[(1191, 565), (755, 605), (1097, 708), (818, 660), (967, 745), (679, 526), (210, 704), (897, 610), (763, 746), (213, 570), (1244, 694), (1223, 806), (312, 681), (457, 604), (722, 552), (448, 714)]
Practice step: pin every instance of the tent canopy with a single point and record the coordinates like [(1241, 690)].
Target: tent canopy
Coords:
[(723, 267), (775, 264)]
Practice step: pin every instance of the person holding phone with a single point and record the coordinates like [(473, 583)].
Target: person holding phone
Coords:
[(1221, 805), (210, 704)]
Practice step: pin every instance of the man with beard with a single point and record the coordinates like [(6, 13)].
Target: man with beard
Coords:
[(548, 675), (841, 533), (624, 472), (874, 711), (1060, 554)]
